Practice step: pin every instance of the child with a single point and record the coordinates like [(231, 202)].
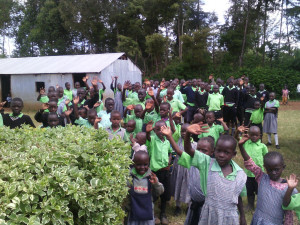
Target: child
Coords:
[(201, 97), (143, 186), (115, 129), (139, 143), (179, 177), (106, 114), (53, 120), (262, 93), (117, 89), (198, 118), (1, 111), (138, 110), (271, 188), (256, 150), (222, 180), (149, 114), (16, 119), (160, 157), (214, 130), (42, 117), (285, 95), (240, 111), (270, 120), (190, 94), (130, 127), (8, 100), (176, 105), (215, 102), (292, 202), (91, 121), (257, 116), (230, 94), (68, 92), (249, 104)]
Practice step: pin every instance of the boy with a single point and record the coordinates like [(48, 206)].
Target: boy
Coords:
[(68, 92), (115, 129), (215, 102), (257, 116), (256, 150), (138, 110), (160, 158), (201, 98), (249, 104), (106, 114), (176, 105), (190, 94), (130, 127), (263, 93), (139, 143), (53, 120)]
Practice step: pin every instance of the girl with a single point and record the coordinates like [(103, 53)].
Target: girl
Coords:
[(270, 120), (117, 89), (271, 188), (179, 177), (16, 119), (285, 95), (222, 180), (144, 183)]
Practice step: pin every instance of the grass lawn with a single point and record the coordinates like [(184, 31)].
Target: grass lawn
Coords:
[(289, 130)]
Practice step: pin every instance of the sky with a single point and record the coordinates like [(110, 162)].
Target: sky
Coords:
[(218, 6)]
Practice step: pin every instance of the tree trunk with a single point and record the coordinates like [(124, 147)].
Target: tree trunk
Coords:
[(264, 34), (245, 34), (280, 29), (167, 46), (287, 30)]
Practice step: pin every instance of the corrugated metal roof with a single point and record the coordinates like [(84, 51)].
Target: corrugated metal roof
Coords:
[(93, 63)]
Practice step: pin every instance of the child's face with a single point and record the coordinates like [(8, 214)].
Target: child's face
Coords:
[(164, 111), (183, 131), (138, 110), (141, 95), (77, 85), (81, 94), (68, 86), (272, 96), (152, 107), (16, 107), (201, 85), (205, 147), (230, 83), (194, 82), (51, 89), (109, 105), (157, 131), (92, 117), (177, 120), (224, 152), (216, 88), (210, 118), (170, 94), (52, 107), (141, 164), (115, 120), (130, 126), (60, 92), (256, 105), (198, 118), (156, 83), (174, 85), (254, 135), (53, 121), (119, 86), (261, 87), (141, 138), (207, 88), (198, 82), (252, 91), (274, 168), (137, 86), (82, 113)]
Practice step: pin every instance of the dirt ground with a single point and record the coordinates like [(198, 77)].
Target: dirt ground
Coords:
[(292, 105)]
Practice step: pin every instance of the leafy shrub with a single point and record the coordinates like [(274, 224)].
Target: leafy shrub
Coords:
[(71, 175)]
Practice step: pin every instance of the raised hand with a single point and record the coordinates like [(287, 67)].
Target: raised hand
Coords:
[(177, 115), (94, 82), (197, 128), (116, 77), (132, 139), (112, 78), (244, 139), (242, 129), (185, 83), (100, 81), (67, 102), (84, 79), (97, 104), (210, 77), (262, 99), (149, 126), (150, 92), (170, 112), (42, 91), (221, 120), (2, 104), (57, 86), (165, 98), (153, 178), (97, 120), (126, 85), (292, 181), (241, 82), (130, 107), (45, 106), (68, 112), (87, 108), (76, 100), (162, 84), (166, 131)]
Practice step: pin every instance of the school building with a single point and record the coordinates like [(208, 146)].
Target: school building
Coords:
[(23, 77)]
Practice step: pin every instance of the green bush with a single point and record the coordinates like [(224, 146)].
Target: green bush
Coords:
[(71, 175)]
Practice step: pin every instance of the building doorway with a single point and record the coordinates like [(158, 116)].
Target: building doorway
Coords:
[(77, 77), (5, 87)]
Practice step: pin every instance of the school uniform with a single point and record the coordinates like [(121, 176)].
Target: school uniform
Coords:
[(131, 99), (68, 94), (42, 117), (269, 199), (101, 92), (44, 99), (176, 105), (118, 100), (159, 162), (230, 106), (201, 99), (149, 116), (1, 120), (105, 119), (240, 111), (257, 118), (141, 201), (119, 133), (270, 120), (294, 205), (83, 122), (220, 205), (214, 103), (138, 122), (190, 94), (249, 106), (215, 130), (257, 151), (264, 94), (12, 121)]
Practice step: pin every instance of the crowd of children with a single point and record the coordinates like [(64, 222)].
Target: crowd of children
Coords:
[(183, 136)]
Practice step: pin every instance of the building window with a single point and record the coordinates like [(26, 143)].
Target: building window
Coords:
[(39, 86)]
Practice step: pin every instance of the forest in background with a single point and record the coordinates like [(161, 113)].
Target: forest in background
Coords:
[(165, 38)]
